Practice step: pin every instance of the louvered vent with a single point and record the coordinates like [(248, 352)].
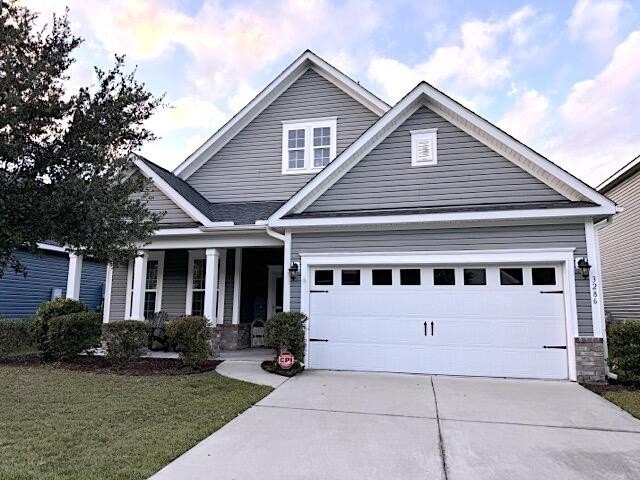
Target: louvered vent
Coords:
[(423, 147)]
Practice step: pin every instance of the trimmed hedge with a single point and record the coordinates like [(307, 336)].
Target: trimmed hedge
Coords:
[(285, 332), (623, 340), (189, 336), (15, 335), (125, 341), (69, 335), (47, 311)]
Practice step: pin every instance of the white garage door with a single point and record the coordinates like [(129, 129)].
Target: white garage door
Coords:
[(485, 320)]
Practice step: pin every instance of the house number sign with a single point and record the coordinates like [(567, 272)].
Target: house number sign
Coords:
[(594, 289)]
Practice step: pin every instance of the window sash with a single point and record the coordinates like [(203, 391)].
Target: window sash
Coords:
[(314, 140)]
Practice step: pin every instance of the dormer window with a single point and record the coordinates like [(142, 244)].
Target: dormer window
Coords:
[(308, 145), (424, 147)]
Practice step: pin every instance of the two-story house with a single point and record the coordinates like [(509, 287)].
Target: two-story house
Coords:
[(416, 238)]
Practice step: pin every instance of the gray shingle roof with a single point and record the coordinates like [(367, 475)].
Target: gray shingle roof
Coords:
[(241, 213)]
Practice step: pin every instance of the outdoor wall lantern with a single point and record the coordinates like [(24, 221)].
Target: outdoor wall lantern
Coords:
[(584, 267), (293, 270)]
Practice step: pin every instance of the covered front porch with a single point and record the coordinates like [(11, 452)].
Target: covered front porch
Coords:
[(233, 287)]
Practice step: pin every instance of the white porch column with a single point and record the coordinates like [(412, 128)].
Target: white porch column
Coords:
[(286, 278), (73, 276), (211, 283), (138, 287), (237, 283)]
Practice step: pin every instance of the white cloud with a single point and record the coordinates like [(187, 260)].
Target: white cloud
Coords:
[(595, 129), (243, 95), (186, 113), (481, 58), (596, 22), (528, 118)]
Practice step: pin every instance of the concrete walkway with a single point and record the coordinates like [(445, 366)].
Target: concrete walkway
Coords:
[(249, 371), (346, 425)]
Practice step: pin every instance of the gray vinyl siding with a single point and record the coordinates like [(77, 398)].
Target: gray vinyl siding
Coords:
[(229, 286), (467, 173), (118, 292), (249, 167), (159, 202), (480, 238), (619, 251), (174, 282)]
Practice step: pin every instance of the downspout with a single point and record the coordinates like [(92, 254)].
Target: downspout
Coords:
[(274, 234), (597, 227)]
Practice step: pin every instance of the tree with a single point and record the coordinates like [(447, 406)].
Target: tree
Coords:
[(65, 173)]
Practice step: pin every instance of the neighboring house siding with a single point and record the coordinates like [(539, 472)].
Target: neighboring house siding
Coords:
[(478, 238), (174, 282), (249, 167), (21, 296), (118, 292), (619, 252), (92, 283), (467, 173)]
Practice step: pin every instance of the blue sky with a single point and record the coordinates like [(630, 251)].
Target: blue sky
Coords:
[(563, 76)]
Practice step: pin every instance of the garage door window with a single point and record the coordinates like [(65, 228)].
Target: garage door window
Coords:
[(511, 276), (409, 276), (324, 277), (543, 276), (475, 276), (350, 277), (444, 276), (381, 277)]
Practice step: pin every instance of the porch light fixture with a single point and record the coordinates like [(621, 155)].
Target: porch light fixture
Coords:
[(584, 267), (293, 270)]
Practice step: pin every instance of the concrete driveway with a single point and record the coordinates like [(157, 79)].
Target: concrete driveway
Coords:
[(347, 425)]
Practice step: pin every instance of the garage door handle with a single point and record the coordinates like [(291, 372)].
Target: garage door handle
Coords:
[(560, 347), (432, 329), (425, 329), (318, 339), (552, 291), (318, 291)]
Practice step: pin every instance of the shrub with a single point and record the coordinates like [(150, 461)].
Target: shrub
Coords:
[(623, 339), (189, 336), (68, 335), (285, 331), (47, 311), (125, 341), (15, 335)]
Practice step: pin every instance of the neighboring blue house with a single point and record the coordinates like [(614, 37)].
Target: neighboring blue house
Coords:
[(48, 276)]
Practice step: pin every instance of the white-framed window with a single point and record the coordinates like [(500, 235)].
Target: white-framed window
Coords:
[(196, 275), (424, 147), (152, 286), (308, 145)]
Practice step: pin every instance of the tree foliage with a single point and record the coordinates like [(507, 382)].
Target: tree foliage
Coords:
[(65, 157)]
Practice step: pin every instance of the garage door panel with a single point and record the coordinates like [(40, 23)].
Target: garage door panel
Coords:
[(485, 330)]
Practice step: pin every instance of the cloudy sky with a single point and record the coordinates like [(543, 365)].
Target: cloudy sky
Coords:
[(562, 76)]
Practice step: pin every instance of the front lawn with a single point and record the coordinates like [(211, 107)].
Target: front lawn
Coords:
[(61, 424), (627, 399)]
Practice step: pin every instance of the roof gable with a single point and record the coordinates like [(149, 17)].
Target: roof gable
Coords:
[(305, 61), (626, 172), (467, 173), (467, 121)]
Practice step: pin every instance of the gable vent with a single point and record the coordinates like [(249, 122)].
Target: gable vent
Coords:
[(424, 147)]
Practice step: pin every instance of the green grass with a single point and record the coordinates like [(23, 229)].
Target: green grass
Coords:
[(60, 424), (628, 400)]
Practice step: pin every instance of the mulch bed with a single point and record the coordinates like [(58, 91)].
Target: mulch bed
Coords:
[(272, 367), (613, 386), (100, 364)]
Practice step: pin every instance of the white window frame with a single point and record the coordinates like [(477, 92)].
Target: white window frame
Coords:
[(418, 136), (156, 255), (307, 126), (220, 285), (193, 255)]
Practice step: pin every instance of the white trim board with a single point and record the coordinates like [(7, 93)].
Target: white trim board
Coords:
[(272, 91), (426, 218), (479, 128), (563, 256), (613, 179)]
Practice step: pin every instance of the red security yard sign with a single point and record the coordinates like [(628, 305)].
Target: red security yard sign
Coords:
[(285, 360)]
